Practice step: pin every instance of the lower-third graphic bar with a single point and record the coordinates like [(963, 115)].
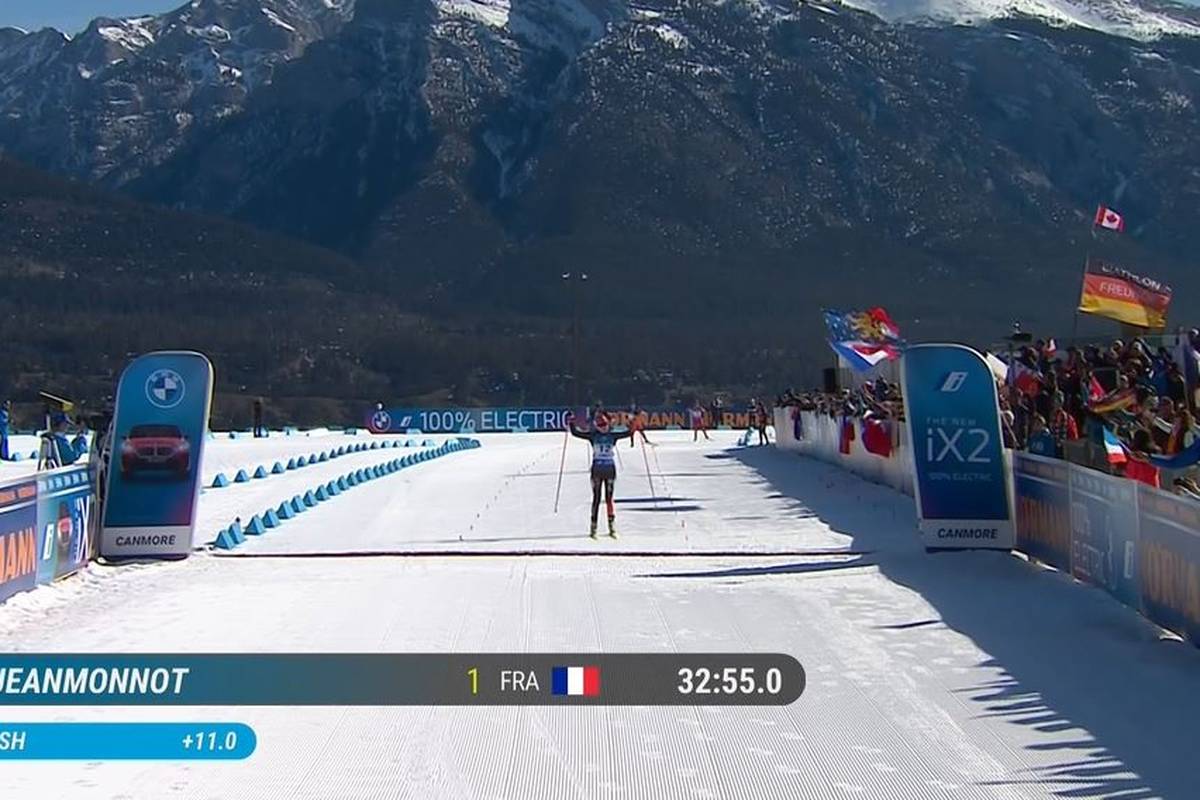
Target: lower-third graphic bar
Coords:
[(124, 741), (395, 679)]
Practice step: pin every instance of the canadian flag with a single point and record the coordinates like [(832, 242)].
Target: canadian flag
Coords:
[(1107, 218)]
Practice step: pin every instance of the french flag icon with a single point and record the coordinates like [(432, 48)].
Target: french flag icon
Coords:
[(575, 681)]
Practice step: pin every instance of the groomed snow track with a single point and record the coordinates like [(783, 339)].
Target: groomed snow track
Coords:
[(956, 675)]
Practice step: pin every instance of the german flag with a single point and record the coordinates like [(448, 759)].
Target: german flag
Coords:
[(1117, 401), (1116, 293)]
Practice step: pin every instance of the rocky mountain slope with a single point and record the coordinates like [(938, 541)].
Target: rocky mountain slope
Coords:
[(118, 98), (710, 163)]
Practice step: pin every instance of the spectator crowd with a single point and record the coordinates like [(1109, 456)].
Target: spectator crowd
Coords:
[(1114, 407), (1126, 407), (877, 399)]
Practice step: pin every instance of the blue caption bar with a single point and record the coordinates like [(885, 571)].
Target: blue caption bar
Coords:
[(124, 741)]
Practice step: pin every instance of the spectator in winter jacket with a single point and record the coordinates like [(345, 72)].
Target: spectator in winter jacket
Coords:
[(1041, 441)]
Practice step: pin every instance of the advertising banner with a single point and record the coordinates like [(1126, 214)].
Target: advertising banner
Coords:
[(1113, 292), (159, 428), (64, 500), (1169, 560), (18, 537), (1043, 508), (500, 420), (961, 479), (1104, 532)]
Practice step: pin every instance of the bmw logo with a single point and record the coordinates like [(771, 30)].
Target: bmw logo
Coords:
[(381, 421), (164, 388)]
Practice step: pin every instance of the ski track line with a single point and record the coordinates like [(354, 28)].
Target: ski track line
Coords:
[(903, 709), (713, 767), (788, 713), (518, 744), (954, 698)]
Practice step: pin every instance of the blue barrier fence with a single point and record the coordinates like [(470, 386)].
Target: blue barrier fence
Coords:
[(44, 532), (1140, 544)]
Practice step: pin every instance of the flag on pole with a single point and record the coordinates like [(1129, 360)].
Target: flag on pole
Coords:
[(1107, 218), (863, 338), (1114, 292)]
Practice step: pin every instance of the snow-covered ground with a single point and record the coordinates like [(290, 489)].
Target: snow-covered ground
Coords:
[(25, 446), (958, 675)]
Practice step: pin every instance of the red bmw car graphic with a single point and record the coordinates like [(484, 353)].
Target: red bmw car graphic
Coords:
[(155, 448)]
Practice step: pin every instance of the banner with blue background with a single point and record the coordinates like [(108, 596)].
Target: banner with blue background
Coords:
[(961, 479), (1104, 532), (1169, 560), (64, 503), (44, 525), (547, 418), (1042, 492), (18, 537), (159, 429)]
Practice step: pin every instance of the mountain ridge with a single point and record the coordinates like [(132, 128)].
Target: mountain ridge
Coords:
[(721, 167)]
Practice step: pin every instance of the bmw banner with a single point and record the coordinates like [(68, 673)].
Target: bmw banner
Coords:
[(159, 428), (960, 479)]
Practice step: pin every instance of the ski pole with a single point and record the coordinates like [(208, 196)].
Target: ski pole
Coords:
[(562, 462), (650, 480), (662, 477)]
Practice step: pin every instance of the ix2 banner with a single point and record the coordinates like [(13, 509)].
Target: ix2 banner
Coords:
[(961, 479)]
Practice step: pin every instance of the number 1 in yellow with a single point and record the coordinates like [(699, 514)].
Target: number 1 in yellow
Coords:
[(474, 673)]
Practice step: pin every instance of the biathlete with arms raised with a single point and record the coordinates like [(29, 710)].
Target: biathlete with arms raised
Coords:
[(603, 440)]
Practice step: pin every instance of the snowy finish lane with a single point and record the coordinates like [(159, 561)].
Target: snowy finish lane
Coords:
[(674, 497), (957, 675)]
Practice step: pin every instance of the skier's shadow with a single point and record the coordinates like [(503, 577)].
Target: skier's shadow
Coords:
[(769, 569), (671, 508), (630, 500), (491, 540), (672, 504)]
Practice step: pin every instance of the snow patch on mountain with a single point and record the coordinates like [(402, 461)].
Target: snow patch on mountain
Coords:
[(490, 12), (1125, 18), (132, 34), (671, 36), (276, 19)]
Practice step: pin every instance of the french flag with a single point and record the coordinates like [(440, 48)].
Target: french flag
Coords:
[(1113, 448), (861, 356), (575, 681)]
